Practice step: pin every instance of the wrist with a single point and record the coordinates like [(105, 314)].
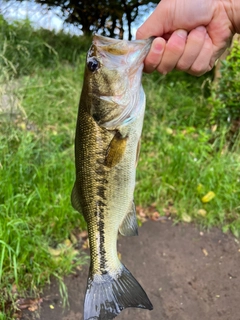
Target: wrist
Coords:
[(233, 10)]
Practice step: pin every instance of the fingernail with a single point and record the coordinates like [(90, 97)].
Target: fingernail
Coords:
[(181, 33), (201, 28)]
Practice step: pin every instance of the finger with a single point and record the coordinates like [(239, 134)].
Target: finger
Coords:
[(154, 56), (203, 62), (173, 51), (195, 42), (152, 26)]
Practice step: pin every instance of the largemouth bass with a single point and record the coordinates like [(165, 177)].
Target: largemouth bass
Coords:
[(107, 144)]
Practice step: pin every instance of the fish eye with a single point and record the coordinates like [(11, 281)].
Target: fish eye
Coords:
[(93, 64)]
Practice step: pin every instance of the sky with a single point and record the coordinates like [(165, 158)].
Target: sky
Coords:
[(39, 15)]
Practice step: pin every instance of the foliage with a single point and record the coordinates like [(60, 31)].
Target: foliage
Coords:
[(103, 16), (19, 42), (37, 167), (225, 95), (181, 151)]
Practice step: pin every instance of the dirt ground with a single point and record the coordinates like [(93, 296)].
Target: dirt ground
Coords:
[(187, 273)]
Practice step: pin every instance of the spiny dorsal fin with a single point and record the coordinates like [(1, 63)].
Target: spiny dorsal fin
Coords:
[(129, 226), (115, 150)]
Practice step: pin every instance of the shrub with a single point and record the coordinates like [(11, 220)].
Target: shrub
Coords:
[(225, 97)]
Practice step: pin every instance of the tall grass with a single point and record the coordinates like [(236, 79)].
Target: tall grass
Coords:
[(24, 50), (42, 79)]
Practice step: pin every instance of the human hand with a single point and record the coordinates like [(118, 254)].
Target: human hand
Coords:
[(190, 35)]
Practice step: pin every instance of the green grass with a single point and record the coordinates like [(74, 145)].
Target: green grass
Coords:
[(183, 157), (37, 166), (181, 151)]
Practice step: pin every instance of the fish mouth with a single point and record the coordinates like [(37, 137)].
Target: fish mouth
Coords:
[(131, 53), (125, 57)]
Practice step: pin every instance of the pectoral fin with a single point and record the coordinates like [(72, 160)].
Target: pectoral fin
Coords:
[(75, 199), (129, 226), (115, 150), (138, 151)]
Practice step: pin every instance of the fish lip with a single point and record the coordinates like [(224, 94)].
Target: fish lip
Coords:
[(105, 40), (136, 48)]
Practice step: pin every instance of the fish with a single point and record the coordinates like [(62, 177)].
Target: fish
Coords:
[(107, 144)]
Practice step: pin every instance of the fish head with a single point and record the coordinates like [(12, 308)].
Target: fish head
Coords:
[(113, 79)]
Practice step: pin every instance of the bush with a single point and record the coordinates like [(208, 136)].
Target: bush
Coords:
[(23, 50), (225, 97)]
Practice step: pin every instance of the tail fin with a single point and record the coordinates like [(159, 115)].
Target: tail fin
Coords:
[(107, 296)]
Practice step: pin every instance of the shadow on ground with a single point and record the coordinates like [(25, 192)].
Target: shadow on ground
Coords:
[(187, 274)]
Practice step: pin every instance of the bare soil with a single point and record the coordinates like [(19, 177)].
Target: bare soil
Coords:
[(187, 273)]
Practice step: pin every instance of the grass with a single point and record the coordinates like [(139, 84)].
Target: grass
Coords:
[(37, 167), (184, 156)]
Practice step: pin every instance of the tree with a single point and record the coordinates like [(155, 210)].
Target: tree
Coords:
[(103, 16)]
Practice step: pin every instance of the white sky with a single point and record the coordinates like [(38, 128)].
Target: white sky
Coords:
[(39, 15)]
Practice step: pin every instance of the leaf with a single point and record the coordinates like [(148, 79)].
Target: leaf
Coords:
[(67, 243), (86, 244), (55, 252), (83, 234), (202, 212), (169, 131), (186, 218), (205, 252), (155, 216), (28, 303), (208, 197), (200, 188), (73, 238)]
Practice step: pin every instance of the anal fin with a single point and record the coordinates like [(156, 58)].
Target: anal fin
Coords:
[(129, 226)]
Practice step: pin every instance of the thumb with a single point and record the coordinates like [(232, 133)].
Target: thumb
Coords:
[(156, 24)]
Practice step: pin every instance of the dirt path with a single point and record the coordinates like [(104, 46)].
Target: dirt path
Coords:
[(187, 274)]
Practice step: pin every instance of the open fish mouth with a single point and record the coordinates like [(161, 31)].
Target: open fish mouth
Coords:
[(131, 53), (124, 61)]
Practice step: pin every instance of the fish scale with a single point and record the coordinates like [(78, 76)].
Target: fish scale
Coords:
[(108, 132)]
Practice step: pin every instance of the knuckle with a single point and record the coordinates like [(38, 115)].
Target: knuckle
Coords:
[(198, 69), (208, 46), (139, 33), (164, 69), (176, 47), (182, 65)]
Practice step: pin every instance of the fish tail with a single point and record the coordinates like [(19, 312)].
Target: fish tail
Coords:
[(107, 296)]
